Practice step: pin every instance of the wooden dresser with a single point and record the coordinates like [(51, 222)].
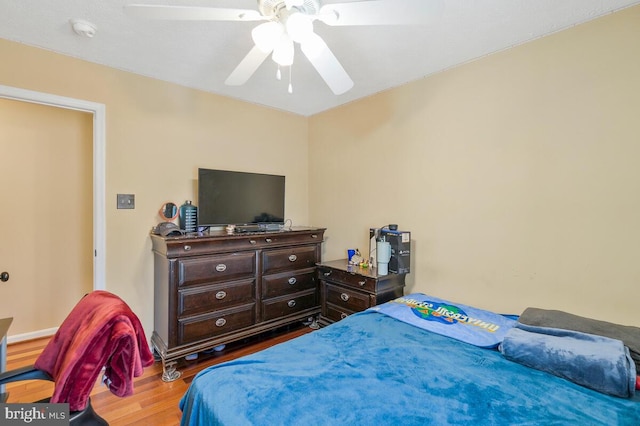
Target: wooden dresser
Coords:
[(215, 288), (346, 289)]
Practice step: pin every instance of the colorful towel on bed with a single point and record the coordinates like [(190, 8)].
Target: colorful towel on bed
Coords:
[(476, 326)]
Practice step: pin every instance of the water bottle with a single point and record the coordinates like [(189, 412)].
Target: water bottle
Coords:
[(383, 249), (188, 217)]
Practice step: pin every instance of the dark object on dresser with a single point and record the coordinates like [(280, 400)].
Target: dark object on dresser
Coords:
[(217, 288)]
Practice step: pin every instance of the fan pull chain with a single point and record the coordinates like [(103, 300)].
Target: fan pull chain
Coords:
[(278, 74), (290, 86)]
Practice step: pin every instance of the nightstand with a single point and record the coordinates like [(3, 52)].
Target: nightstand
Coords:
[(346, 289)]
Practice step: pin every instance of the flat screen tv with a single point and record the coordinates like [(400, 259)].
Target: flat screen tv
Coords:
[(239, 198)]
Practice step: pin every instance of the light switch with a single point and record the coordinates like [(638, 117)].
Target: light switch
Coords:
[(126, 201)]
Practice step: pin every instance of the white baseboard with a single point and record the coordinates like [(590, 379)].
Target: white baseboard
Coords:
[(31, 335), (42, 333)]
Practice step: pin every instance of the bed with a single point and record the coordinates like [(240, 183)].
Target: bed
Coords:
[(373, 368)]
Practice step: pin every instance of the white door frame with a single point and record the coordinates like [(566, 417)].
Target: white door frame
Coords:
[(98, 111)]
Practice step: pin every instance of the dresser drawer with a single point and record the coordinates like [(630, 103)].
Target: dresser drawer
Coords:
[(335, 313), (216, 324), (289, 259), (202, 299), (348, 279), (226, 267), (181, 247), (217, 242), (281, 307), (346, 298), (288, 283)]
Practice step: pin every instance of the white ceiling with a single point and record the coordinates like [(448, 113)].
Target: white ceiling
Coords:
[(202, 54)]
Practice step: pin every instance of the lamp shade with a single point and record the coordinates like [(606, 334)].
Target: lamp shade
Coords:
[(266, 35), (283, 51), (299, 26)]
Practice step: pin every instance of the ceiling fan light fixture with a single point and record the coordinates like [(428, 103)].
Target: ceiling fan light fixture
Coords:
[(267, 35), (329, 17), (284, 51), (293, 3), (299, 26)]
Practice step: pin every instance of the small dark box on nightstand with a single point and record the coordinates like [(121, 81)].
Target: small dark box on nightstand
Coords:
[(400, 250)]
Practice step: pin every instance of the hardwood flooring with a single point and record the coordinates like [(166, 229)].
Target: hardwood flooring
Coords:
[(154, 402)]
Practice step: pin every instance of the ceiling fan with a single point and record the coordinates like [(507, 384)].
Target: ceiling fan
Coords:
[(291, 21)]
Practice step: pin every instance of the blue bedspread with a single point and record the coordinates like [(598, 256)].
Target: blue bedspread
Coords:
[(371, 369)]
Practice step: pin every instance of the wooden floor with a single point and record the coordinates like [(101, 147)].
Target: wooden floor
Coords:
[(154, 401)]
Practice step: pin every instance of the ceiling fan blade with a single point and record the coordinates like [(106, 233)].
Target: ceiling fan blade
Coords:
[(192, 13), (380, 12), (247, 67), (327, 65)]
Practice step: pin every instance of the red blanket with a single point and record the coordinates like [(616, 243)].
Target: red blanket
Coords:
[(101, 331)]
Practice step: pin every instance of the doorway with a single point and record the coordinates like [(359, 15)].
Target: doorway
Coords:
[(61, 256)]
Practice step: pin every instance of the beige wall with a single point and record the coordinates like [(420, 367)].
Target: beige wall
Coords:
[(517, 174), (157, 135)]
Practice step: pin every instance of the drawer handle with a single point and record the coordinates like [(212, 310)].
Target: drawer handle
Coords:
[(343, 315), (220, 322), (221, 295), (269, 240), (291, 303), (221, 267), (253, 242), (293, 258), (292, 280), (344, 297), (362, 283), (326, 274), (187, 248), (314, 235)]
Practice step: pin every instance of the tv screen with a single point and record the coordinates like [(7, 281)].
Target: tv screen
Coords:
[(238, 198)]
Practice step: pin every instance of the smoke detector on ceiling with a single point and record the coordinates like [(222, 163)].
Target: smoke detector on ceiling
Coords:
[(83, 28)]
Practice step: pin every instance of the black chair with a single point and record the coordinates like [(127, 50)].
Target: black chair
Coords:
[(86, 416)]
